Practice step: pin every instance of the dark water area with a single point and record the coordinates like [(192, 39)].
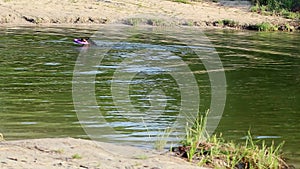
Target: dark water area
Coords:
[(36, 81)]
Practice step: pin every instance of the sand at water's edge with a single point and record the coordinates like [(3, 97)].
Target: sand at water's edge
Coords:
[(78, 153), (100, 11)]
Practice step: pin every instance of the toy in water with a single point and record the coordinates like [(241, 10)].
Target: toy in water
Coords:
[(81, 41)]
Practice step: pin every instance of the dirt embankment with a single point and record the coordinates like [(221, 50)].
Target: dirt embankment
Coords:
[(107, 11)]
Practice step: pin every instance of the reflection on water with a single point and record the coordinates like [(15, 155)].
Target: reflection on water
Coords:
[(37, 64)]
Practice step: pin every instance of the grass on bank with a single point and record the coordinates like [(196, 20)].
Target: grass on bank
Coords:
[(265, 26), (146, 21), (190, 1), (283, 8), (161, 142), (182, 1), (265, 10), (227, 22), (215, 152)]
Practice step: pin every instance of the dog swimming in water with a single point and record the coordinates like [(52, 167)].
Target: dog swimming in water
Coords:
[(84, 41)]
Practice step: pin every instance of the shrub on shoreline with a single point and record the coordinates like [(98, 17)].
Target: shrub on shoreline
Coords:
[(215, 152), (289, 9), (290, 5), (265, 26)]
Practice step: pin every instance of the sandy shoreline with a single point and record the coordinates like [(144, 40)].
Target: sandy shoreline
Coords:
[(89, 12), (78, 153)]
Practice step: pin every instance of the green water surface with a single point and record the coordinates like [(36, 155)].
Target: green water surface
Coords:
[(261, 68)]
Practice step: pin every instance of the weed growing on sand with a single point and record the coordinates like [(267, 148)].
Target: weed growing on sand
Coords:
[(275, 10), (182, 1), (156, 22), (133, 21), (230, 23), (249, 154), (188, 23), (161, 142), (74, 1), (288, 27), (191, 1), (59, 151), (289, 15), (255, 8), (146, 21), (265, 26), (195, 135), (76, 156), (141, 157), (215, 152)]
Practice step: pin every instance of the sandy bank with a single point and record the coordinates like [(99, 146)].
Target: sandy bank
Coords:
[(110, 11), (78, 153)]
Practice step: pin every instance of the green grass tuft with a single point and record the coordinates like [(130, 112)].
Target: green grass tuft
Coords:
[(147, 21), (182, 1), (161, 142), (277, 9), (215, 152), (141, 157), (195, 135), (265, 26), (76, 156), (59, 151)]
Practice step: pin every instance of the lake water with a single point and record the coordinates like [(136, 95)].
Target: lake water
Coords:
[(39, 89)]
